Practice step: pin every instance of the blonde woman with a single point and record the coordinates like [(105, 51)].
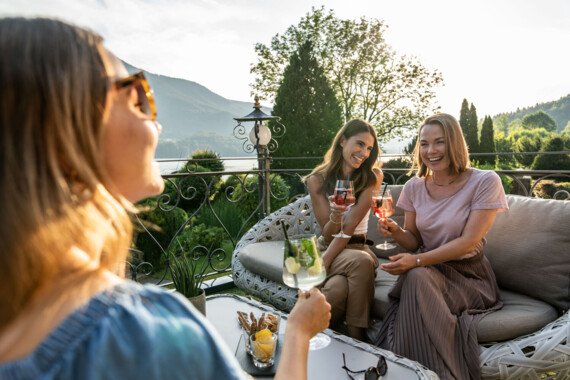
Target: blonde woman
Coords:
[(446, 284), (350, 264), (78, 136)]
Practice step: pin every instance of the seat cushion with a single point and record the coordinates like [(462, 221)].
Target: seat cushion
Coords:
[(264, 258), (529, 249), (519, 316), (383, 284)]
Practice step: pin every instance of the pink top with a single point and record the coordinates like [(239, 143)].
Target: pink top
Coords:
[(443, 220)]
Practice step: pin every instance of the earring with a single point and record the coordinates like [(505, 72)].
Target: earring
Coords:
[(79, 191)]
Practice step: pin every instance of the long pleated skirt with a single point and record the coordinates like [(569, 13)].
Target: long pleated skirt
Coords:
[(434, 312)]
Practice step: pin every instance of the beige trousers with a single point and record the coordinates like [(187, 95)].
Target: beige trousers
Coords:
[(349, 286)]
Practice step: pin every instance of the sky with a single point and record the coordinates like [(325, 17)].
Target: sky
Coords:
[(497, 54)]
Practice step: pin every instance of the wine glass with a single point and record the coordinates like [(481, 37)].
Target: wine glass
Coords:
[(384, 208), (303, 268), (343, 195)]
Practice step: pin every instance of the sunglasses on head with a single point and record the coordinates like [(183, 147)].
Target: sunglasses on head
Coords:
[(371, 373), (145, 97)]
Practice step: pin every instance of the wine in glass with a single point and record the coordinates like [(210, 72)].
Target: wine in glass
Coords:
[(303, 268), (343, 195), (384, 208)]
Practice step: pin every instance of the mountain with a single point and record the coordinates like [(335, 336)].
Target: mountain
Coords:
[(186, 108), (559, 110)]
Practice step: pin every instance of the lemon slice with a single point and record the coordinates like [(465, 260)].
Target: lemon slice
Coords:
[(264, 345), (292, 265), (263, 336), (316, 268)]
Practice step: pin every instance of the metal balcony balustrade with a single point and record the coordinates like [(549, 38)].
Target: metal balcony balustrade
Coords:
[(242, 186)]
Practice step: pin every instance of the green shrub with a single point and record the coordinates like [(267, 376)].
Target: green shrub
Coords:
[(552, 161), (228, 213), (504, 144), (248, 201), (162, 225), (201, 235), (547, 188), (196, 189), (213, 163), (296, 185), (228, 186)]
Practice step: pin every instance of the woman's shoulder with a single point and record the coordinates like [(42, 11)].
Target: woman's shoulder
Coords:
[(120, 324), (485, 176), (144, 311), (316, 183), (414, 182), (140, 306), (316, 179)]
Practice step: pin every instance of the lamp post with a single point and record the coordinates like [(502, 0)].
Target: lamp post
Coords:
[(262, 140)]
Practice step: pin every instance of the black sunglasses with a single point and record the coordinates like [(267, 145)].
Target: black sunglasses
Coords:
[(371, 373)]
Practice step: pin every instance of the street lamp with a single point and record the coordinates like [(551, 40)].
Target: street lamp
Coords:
[(262, 140)]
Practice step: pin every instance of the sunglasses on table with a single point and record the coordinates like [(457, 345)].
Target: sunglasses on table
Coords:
[(371, 373), (145, 97)]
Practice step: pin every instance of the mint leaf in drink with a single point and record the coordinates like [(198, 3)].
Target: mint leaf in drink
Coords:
[(308, 250)]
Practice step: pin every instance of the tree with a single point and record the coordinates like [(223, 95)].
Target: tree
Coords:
[(519, 132), (468, 123), (308, 108), (487, 144), (464, 116), (501, 123), (539, 119), (395, 93), (504, 144), (525, 145), (472, 136), (566, 129), (566, 140), (552, 161), (211, 160)]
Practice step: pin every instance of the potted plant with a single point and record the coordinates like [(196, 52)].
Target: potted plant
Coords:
[(187, 276)]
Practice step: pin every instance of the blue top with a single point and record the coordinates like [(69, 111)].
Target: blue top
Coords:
[(130, 331)]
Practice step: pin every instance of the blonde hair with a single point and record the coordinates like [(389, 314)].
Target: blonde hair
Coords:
[(53, 94), (455, 146), (331, 167)]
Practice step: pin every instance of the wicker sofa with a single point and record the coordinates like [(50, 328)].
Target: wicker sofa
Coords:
[(528, 247)]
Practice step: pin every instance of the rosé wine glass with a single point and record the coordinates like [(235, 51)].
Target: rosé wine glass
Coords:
[(343, 196), (383, 208)]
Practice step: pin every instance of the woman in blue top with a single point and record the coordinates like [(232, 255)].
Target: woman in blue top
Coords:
[(76, 149)]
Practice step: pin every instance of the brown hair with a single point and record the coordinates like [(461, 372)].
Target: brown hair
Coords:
[(331, 167), (53, 92), (455, 146)]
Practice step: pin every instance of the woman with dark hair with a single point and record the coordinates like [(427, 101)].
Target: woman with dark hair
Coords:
[(446, 284), (77, 142), (350, 264)]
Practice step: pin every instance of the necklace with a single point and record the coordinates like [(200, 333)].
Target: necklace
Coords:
[(437, 184)]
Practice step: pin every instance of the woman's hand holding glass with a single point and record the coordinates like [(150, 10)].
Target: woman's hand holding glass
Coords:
[(383, 207), (337, 211), (386, 226), (343, 196), (311, 313), (303, 268)]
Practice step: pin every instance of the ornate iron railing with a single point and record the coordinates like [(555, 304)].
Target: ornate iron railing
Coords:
[(208, 195)]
